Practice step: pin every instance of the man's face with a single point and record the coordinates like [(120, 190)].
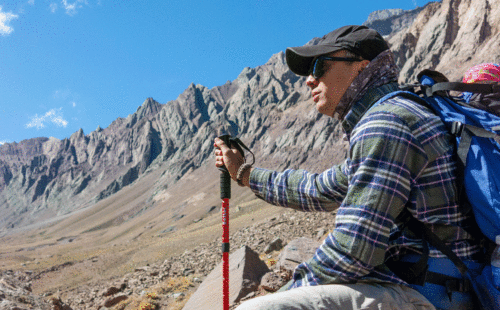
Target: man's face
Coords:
[(328, 89)]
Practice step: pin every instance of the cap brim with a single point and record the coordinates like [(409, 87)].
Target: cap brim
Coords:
[(299, 59)]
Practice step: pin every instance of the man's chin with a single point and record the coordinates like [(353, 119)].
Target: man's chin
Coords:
[(321, 108)]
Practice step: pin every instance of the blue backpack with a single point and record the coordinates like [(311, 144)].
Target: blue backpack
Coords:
[(474, 119)]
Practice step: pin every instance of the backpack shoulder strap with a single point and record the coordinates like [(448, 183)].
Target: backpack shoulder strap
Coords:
[(466, 132), (463, 87), (441, 83), (406, 92)]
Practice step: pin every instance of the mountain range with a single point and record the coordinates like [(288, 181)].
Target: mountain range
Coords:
[(165, 150)]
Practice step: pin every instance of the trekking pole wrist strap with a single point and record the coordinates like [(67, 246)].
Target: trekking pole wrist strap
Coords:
[(241, 171)]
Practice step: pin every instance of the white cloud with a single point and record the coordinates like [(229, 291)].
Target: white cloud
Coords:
[(73, 104), (31, 2), (72, 7), (54, 116), (3, 142), (5, 18), (53, 7), (60, 121)]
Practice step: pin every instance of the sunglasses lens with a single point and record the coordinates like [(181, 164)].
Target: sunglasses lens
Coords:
[(317, 71)]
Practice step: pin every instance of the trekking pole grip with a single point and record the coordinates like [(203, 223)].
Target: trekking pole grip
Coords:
[(225, 177)]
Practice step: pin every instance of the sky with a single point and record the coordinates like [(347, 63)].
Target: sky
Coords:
[(71, 64)]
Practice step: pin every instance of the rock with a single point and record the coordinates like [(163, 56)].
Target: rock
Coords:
[(177, 295), (15, 291), (274, 280), (57, 304), (449, 36), (245, 272), (390, 21), (321, 233), (271, 282), (142, 269), (275, 245), (187, 272), (297, 251), (111, 291), (114, 301)]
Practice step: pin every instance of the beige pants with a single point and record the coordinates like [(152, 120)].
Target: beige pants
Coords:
[(342, 297)]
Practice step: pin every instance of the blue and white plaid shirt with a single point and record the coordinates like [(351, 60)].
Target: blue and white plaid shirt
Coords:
[(401, 158)]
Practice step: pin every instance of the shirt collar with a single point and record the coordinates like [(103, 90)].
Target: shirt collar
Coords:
[(359, 108)]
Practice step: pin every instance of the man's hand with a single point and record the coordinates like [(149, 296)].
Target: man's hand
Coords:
[(224, 156)]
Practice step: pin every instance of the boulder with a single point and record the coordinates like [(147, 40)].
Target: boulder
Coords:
[(275, 245), (111, 291), (297, 251), (58, 304), (245, 272), (271, 282), (114, 301)]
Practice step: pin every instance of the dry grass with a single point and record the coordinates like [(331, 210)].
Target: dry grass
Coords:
[(159, 296)]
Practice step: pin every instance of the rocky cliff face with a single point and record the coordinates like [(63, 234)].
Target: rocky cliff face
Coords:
[(449, 36), (268, 107), (41, 178), (391, 21)]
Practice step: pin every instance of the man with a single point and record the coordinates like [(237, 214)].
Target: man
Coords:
[(400, 164)]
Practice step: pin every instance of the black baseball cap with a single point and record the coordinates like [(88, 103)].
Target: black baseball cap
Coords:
[(360, 40)]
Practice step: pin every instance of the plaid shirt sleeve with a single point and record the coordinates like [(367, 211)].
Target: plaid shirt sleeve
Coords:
[(301, 190), (386, 158)]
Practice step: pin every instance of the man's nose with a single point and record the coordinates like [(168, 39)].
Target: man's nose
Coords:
[(311, 81)]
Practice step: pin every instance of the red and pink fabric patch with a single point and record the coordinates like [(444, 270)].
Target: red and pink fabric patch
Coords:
[(485, 72)]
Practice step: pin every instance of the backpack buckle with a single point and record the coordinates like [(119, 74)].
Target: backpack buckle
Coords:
[(456, 128), (457, 285), (449, 289)]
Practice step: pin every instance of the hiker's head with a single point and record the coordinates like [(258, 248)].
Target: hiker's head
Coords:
[(330, 77), (334, 62), (483, 73)]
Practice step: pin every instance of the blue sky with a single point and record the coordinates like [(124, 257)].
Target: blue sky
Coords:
[(71, 64)]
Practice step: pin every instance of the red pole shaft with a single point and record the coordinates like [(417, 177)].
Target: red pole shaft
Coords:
[(225, 253), (225, 195)]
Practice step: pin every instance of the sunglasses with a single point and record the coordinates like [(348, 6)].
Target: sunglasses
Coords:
[(318, 67)]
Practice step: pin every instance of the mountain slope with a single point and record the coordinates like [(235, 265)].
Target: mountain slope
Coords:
[(268, 107)]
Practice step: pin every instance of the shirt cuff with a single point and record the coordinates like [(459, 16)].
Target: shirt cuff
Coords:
[(259, 177)]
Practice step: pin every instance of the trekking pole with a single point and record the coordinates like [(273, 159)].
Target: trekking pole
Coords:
[(225, 195)]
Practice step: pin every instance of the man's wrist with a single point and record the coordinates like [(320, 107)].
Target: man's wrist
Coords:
[(243, 175), (246, 177)]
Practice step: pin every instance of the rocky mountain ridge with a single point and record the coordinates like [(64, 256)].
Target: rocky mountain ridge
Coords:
[(388, 22), (268, 107)]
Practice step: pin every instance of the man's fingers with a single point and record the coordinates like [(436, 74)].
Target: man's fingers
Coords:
[(219, 161), (221, 145)]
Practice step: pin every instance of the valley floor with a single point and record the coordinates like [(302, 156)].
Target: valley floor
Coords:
[(173, 266)]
